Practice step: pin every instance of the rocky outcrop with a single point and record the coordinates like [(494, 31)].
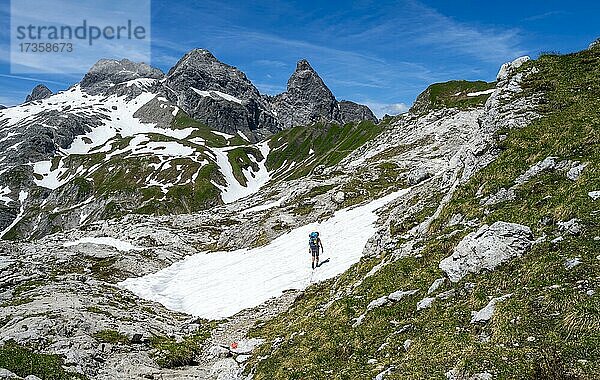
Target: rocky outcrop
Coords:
[(307, 99), (487, 312), (107, 73), (546, 164), (509, 68), (222, 97), (422, 104), (487, 248), (39, 92), (219, 95), (350, 111), (502, 103), (392, 297)]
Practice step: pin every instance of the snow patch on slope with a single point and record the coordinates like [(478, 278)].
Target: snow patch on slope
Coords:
[(120, 245), (22, 198), (216, 95), (220, 284), (254, 180), (481, 92), (4, 191), (263, 207)]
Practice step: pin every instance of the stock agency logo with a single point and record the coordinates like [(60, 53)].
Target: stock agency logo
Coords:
[(69, 36)]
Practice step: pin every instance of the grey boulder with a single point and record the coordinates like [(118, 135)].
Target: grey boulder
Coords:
[(487, 248)]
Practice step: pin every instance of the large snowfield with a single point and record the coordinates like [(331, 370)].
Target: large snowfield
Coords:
[(220, 284)]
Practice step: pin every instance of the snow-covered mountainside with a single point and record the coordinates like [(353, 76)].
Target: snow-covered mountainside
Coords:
[(462, 240), (127, 139)]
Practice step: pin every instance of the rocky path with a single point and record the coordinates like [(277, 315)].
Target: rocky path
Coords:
[(219, 361)]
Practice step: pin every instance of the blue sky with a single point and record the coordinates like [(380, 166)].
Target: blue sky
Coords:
[(381, 53)]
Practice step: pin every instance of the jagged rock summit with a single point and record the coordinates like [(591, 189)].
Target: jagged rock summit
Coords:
[(219, 95), (124, 115), (222, 97), (200, 70), (308, 100), (39, 92), (108, 72)]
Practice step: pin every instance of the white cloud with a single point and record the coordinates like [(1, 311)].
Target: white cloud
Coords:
[(83, 53), (31, 79), (270, 63), (545, 15), (269, 88)]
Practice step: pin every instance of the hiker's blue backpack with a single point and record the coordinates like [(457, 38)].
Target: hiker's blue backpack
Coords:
[(313, 239)]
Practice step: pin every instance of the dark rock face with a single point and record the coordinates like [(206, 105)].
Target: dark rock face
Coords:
[(307, 99), (222, 97), (422, 104), (108, 72), (219, 95), (201, 70), (7, 215), (39, 92), (350, 111), (45, 135)]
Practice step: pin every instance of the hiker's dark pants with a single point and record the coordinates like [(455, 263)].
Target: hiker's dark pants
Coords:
[(315, 253)]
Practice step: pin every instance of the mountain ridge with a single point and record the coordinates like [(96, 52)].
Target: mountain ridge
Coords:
[(330, 169), (132, 139)]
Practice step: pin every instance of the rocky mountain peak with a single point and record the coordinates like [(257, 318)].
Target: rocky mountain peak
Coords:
[(217, 94), (201, 70), (306, 80), (196, 55), (39, 92), (303, 65), (308, 100), (107, 72)]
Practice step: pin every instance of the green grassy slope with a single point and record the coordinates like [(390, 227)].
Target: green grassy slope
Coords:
[(548, 329), (24, 362), (329, 144), (452, 94)]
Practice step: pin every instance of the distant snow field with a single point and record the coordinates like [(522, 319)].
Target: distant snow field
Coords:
[(220, 284), (112, 242), (486, 92), (254, 180), (119, 122)]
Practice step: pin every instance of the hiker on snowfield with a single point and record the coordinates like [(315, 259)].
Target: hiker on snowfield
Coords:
[(314, 242)]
